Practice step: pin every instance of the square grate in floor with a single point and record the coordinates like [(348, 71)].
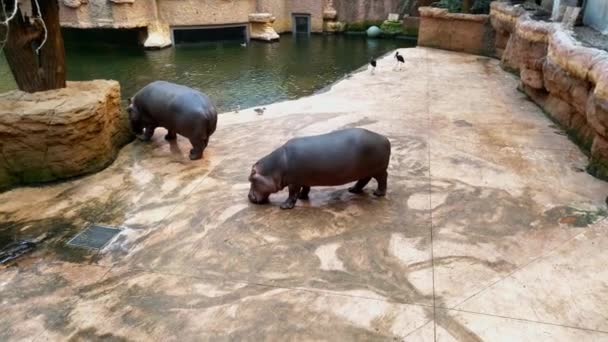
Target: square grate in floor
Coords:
[(94, 237)]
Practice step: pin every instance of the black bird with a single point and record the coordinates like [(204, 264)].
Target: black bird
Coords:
[(372, 62), (260, 111), (400, 59)]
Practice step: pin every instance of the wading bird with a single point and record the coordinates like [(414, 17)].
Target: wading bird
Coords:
[(260, 111), (399, 59), (372, 62)]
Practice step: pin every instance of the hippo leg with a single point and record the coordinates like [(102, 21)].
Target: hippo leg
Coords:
[(148, 133), (171, 135), (290, 202), (197, 149), (358, 187), (381, 179), (304, 193)]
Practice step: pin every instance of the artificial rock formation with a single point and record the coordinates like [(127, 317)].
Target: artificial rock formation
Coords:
[(159, 36), (61, 133), (568, 80), (261, 27), (74, 3), (470, 33), (330, 19)]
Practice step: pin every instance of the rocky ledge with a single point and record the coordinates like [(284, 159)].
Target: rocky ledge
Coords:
[(61, 133), (568, 80)]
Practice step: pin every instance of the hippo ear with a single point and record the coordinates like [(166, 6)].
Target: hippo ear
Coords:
[(130, 100)]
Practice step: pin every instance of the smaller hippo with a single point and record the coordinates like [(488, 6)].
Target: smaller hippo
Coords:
[(179, 109), (335, 158)]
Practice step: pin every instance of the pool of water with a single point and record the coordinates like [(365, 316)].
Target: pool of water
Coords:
[(230, 74)]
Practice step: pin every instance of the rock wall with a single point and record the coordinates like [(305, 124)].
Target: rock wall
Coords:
[(204, 12), (361, 10), (156, 14), (568, 80), (60, 133), (470, 33), (106, 14)]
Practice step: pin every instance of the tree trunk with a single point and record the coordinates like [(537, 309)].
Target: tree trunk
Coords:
[(36, 71), (466, 6)]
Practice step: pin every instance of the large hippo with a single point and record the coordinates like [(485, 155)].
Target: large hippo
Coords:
[(335, 158), (179, 109)]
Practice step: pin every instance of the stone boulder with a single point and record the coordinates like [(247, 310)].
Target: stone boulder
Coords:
[(261, 27), (159, 36), (74, 3), (503, 19), (60, 133), (527, 45)]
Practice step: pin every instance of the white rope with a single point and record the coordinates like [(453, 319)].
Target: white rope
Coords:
[(43, 26), (3, 42), (6, 20)]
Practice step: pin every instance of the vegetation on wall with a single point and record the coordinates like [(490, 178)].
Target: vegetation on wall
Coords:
[(451, 5), (391, 28), (361, 26), (481, 7), (456, 6)]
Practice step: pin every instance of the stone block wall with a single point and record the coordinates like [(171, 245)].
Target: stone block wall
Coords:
[(456, 31), (352, 11), (569, 81), (106, 14), (199, 13), (61, 133)]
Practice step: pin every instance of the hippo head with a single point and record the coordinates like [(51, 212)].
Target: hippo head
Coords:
[(261, 186), (135, 118)]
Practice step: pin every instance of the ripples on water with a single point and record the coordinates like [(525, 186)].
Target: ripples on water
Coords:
[(230, 74)]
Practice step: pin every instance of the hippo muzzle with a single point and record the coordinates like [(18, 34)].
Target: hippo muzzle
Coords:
[(257, 198)]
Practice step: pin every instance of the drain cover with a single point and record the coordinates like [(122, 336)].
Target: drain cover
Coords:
[(94, 237)]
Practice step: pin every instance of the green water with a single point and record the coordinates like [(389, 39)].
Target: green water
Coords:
[(230, 74)]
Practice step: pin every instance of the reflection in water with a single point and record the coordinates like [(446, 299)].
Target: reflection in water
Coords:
[(230, 74)]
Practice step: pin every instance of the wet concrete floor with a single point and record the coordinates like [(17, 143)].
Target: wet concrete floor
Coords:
[(490, 230)]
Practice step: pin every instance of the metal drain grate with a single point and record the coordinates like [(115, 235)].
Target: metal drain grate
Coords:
[(94, 237)]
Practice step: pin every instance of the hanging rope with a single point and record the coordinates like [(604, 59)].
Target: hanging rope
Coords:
[(43, 26), (7, 19), (5, 22)]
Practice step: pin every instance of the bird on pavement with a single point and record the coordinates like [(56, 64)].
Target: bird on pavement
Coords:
[(372, 62), (399, 59), (260, 111)]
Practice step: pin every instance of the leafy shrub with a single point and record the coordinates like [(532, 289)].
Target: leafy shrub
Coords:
[(481, 7), (455, 6), (451, 5), (391, 28), (361, 26)]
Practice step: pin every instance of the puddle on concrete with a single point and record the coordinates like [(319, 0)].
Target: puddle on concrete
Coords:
[(49, 236)]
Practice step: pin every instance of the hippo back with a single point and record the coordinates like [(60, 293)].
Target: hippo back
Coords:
[(336, 158)]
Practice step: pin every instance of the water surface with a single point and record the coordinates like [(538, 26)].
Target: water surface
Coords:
[(230, 74)]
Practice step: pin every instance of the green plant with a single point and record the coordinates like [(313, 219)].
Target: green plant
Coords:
[(360, 26), (391, 28), (481, 7), (451, 5)]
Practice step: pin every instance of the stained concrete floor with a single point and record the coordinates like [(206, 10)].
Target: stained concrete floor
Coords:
[(490, 230)]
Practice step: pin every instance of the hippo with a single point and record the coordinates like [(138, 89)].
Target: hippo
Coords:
[(335, 158), (179, 109)]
